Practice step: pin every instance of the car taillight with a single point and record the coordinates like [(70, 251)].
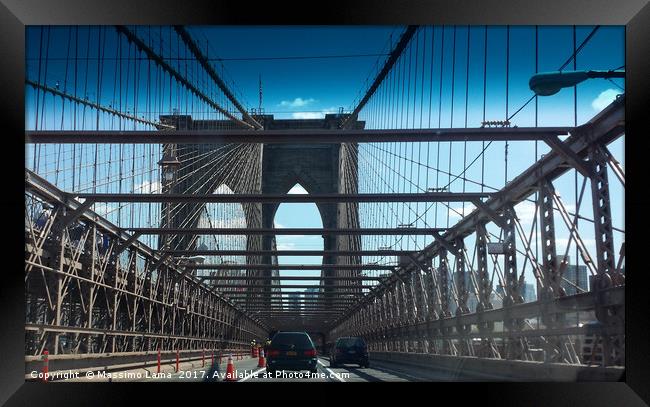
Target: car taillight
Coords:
[(311, 352), (273, 352)]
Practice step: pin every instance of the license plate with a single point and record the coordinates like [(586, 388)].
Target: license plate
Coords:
[(352, 351), (291, 353)]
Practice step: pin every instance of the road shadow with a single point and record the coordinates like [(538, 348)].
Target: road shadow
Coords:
[(359, 372), (213, 375)]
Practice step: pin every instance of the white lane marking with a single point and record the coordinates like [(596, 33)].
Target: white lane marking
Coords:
[(252, 374), (380, 368), (332, 373)]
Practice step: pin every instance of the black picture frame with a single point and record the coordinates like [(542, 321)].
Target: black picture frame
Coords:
[(16, 14)]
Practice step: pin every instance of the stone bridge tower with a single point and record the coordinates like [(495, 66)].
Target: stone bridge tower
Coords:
[(273, 169)]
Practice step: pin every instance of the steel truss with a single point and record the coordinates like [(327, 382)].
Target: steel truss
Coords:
[(82, 297), (411, 311)]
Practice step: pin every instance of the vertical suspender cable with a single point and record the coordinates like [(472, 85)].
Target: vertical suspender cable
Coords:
[(485, 54), (466, 106), (451, 124), (575, 172), (536, 145), (507, 94), (442, 67)]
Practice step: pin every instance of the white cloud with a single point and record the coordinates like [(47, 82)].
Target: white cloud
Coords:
[(297, 102), (313, 115), (307, 115), (604, 99), (278, 225), (525, 212), (562, 242), (148, 186), (298, 190), (286, 246)]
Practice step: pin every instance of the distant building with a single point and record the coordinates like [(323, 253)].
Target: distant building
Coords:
[(472, 301), (575, 280), (528, 292), (497, 301)]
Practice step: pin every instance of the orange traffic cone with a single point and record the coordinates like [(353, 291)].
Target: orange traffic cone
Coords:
[(230, 371), (262, 360)]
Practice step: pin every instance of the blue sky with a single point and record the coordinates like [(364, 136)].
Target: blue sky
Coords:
[(309, 88), (299, 86)]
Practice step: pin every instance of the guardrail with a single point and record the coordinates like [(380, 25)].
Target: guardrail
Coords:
[(486, 369), (82, 363)]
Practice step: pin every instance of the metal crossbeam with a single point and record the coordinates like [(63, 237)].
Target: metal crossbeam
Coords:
[(286, 252), (293, 136), (76, 214), (128, 243), (275, 293), (300, 309), (330, 287), (251, 299), (298, 313), (444, 243), (572, 158), (494, 217), (290, 267), (285, 301), (298, 304), (288, 278), (285, 231), (286, 198)]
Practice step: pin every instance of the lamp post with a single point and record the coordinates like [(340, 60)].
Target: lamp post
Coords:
[(550, 83), (169, 165)]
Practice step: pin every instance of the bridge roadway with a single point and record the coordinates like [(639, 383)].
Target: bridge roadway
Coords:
[(247, 370), (377, 372)]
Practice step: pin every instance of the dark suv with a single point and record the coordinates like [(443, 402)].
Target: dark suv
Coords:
[(350, 350), (291, 351)]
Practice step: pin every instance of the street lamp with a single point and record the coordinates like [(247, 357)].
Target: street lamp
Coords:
[(169, 165), (550, 83)]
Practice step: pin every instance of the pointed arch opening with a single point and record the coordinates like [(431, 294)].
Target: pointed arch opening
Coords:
[(298, 215), (223, 215)]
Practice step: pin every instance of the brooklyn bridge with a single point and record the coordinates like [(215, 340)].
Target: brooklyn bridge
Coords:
[(469, 220)]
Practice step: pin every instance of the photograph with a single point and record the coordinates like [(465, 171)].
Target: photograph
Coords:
[(335, 203)]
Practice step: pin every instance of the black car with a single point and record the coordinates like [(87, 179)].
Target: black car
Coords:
[(291, 351), (350, 349)]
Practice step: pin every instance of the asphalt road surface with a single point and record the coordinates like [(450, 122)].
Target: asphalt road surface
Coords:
[(377, 372), (247, 370)]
